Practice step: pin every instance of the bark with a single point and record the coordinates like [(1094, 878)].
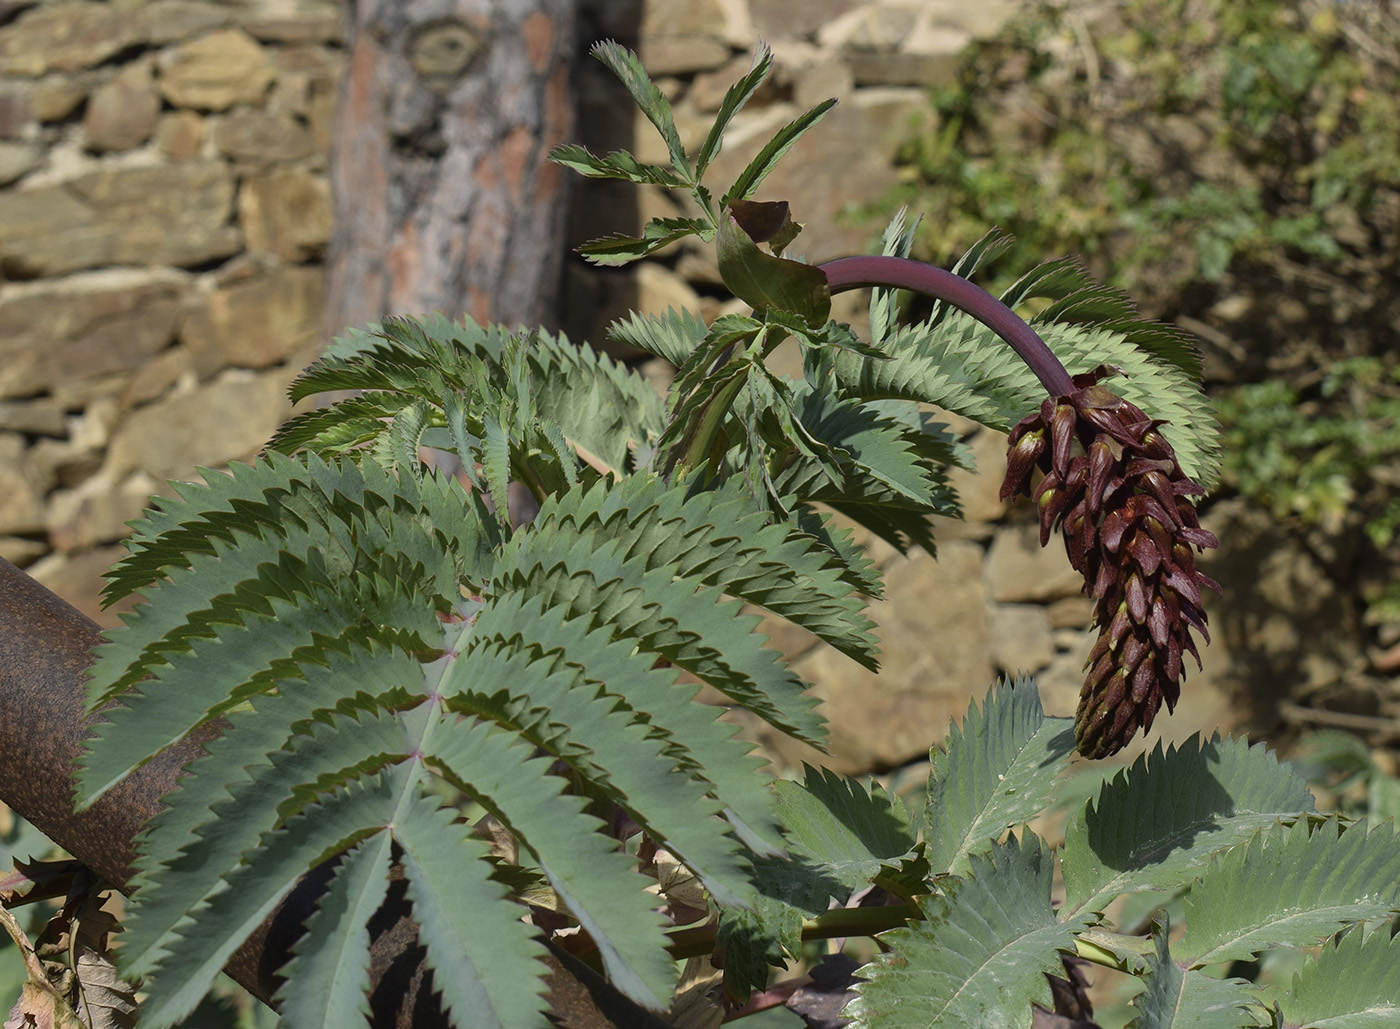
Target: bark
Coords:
[(443, 199), (45, 648)]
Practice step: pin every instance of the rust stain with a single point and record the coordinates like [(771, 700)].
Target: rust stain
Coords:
[(485, 175), (546, 183), (360, 76), (514, 153), (405, 267), (558, 111), (538, 30), (485, 242), (479, 304)]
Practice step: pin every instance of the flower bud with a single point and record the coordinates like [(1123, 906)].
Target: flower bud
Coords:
[(1130, 530)]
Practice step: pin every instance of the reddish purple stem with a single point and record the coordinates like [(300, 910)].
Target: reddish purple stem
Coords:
[(903, 273)]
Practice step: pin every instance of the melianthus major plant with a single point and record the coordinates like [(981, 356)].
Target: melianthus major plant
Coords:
[(410, 683)]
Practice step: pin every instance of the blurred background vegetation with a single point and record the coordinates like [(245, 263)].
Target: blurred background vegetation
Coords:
[(1234, 165)]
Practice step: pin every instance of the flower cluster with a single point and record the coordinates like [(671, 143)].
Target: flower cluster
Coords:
[(1112, 483)]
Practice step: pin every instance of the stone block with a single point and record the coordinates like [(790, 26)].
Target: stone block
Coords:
[(682, 55), (933, 626), (228, 419), (1071, 612), (903, 69), (286, 212), (257, 322), (214, 72), (18, 160), (157, 375), (21, 491), (261, 138), (121, 115), (683, 18), (84, 328), (979, 20), (1019, 570), (171, 21), (802, 18), (67, 36), (679, 37), (33, 418), (1021, 638), (20, 551), (55, 97), (173, 215), (90, 515), (63, 464), (295, 21), (979, 489), (822, 79), (16, 109), (876, 27), (180, 135)]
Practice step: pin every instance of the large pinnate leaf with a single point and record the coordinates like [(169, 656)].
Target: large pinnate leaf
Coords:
[(981, 956), (368, 636), (1290, 886), (1157, 823), (995, 770)]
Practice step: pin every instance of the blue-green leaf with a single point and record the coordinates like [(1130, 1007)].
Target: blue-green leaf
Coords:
[(1290, 887), (981, 956), (330, 964), (1349, 985), (1156, 824), (476, 944), (1178, 998), (995, 770), (849, 830)]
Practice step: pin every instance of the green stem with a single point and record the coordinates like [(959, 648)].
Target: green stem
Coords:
[(701, 438), (902, 273), (698, 941), (1115, 950)]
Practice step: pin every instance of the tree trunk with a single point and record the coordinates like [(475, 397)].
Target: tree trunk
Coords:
[(443, 199)]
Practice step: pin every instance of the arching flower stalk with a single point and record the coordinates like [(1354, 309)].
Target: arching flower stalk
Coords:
[(1113, 485)]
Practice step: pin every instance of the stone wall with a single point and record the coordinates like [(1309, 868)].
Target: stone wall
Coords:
[(163, 214)]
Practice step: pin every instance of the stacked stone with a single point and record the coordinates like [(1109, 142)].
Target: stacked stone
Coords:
[(164, 210)]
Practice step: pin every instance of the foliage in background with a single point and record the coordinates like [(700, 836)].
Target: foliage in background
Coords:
[(1236, 162)]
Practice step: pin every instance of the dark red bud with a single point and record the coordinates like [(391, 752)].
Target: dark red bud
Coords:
[(1021, 461), (1143, 681), (1138, 599), (1163, 617), (1062, 427), (1199, 537)]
